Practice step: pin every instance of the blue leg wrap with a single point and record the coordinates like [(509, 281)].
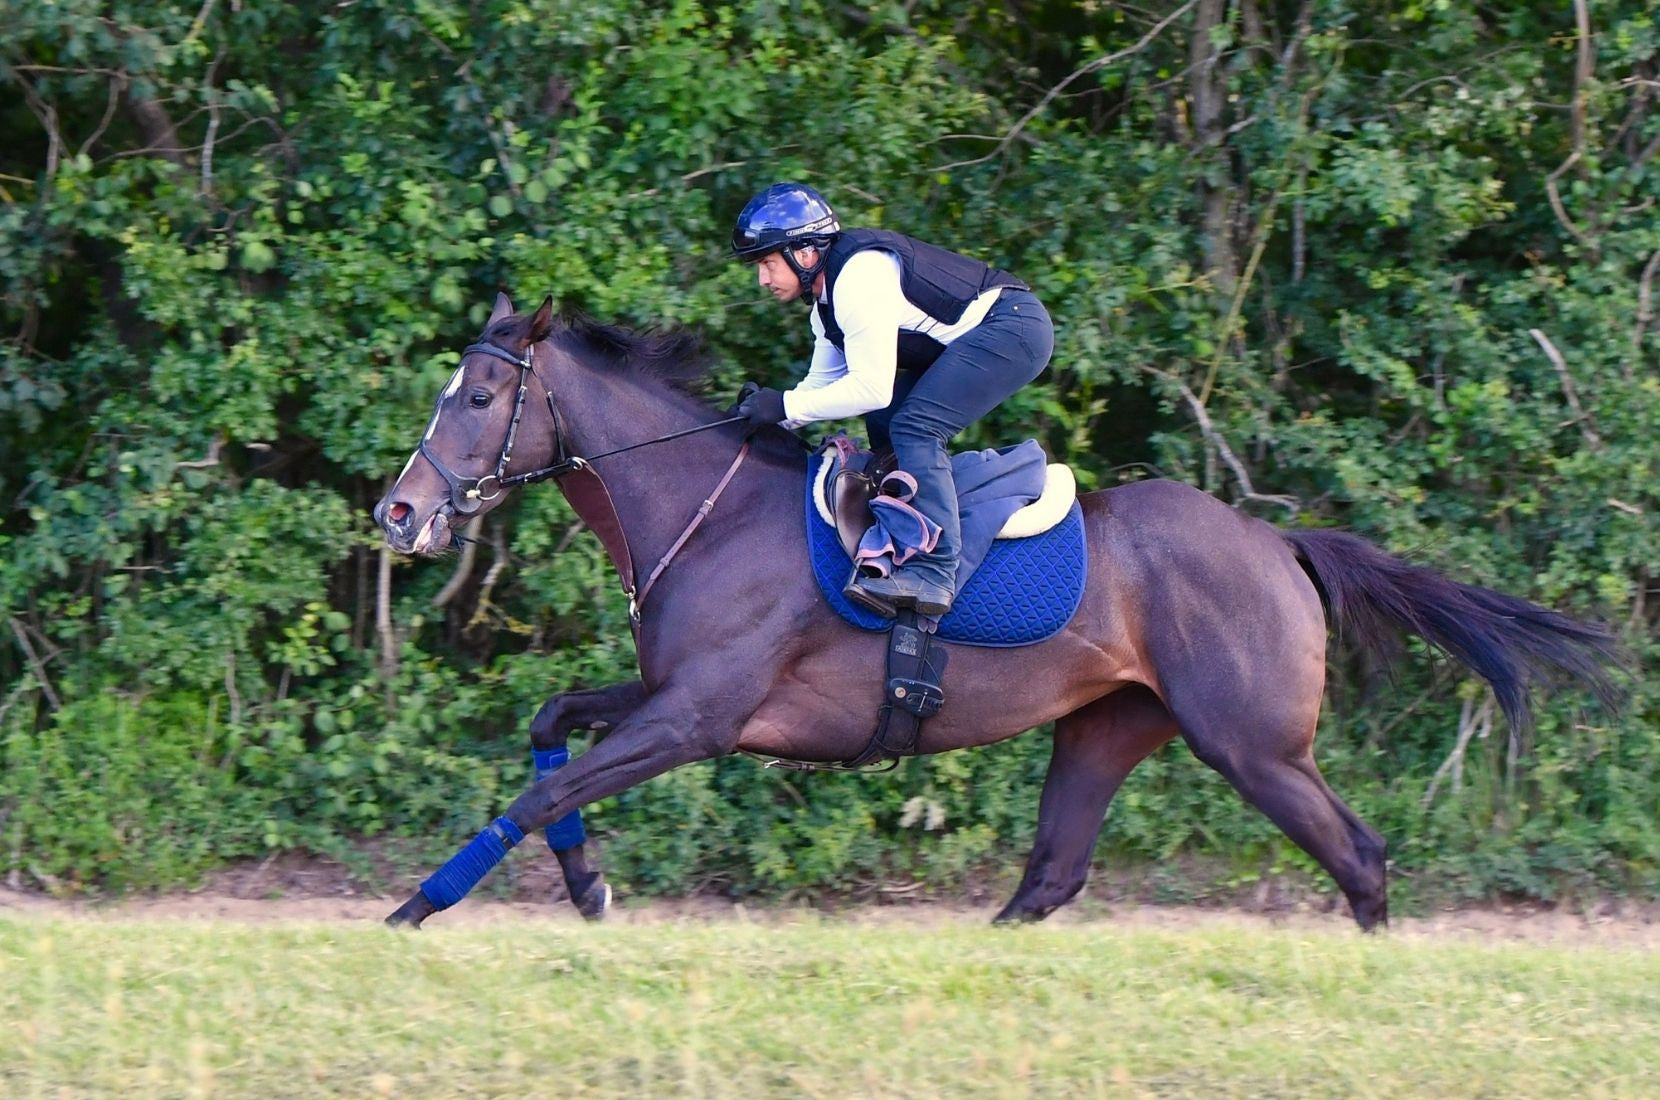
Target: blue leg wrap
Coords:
[(451, 882), (567, 832)]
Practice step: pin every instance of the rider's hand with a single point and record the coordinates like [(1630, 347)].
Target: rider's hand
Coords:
[(763, 406), (743, 392)]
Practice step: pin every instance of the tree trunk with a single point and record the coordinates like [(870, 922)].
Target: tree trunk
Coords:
[(1208, 96)]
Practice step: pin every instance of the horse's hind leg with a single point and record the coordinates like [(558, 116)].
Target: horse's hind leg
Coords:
[(1270, 761), (559, 717), (1096, 746)]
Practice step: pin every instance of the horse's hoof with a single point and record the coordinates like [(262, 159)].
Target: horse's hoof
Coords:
[(595, 903), (411, 913), (590, 893)]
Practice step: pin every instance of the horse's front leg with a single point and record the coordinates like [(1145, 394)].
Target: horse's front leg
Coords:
[(672, 727), (594, 709)]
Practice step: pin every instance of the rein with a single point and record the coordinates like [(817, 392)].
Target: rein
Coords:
[(468, 495), (566, 465)]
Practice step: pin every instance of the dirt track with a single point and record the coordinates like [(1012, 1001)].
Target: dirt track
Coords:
[(1629, 925)]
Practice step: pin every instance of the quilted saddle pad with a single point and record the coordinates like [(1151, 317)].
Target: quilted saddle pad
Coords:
[(1025, 591)]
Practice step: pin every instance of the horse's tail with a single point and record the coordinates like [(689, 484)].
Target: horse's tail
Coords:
[(1374, 596)]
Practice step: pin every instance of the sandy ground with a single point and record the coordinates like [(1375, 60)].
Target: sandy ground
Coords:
[(1624, 930), (310, 891)]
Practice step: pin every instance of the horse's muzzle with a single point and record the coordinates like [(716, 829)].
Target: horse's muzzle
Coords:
[(396, 520)]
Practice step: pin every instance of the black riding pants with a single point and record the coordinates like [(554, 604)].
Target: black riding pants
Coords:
[(973, 375)]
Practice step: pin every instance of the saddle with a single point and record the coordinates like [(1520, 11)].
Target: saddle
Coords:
[(846, 481), (853, 477)]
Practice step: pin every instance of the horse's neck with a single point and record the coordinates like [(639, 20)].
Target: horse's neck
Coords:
[(655, 489), (625, 412)]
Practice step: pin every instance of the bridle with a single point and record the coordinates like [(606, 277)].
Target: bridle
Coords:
[(586, 491), (467, 494)]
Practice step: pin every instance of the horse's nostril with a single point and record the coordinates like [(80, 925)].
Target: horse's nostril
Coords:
[(398, 512)]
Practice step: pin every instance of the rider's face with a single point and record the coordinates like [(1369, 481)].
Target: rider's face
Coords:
[(774, 273)]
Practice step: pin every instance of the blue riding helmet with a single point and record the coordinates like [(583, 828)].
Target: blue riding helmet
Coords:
[(784, 217)]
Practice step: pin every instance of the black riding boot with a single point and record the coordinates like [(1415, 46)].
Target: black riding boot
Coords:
[(905, 588)]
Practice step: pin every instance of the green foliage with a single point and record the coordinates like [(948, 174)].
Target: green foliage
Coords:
[(120, 792), (1391, 266)]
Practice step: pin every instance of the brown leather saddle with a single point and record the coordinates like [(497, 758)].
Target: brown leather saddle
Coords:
[(853, 479)]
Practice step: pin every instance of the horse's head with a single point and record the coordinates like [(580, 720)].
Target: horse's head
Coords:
[(493, 416)]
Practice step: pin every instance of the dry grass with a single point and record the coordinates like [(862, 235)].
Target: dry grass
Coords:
[(803, 1006)]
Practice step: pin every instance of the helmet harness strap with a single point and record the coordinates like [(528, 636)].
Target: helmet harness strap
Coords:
[(807, 275)]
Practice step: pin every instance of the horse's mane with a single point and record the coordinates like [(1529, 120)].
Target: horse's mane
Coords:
[(674, 356)]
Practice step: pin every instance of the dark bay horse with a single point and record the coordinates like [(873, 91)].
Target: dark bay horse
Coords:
[(1199, 621)]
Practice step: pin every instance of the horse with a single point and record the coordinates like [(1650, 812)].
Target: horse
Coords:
[(1197, 620)]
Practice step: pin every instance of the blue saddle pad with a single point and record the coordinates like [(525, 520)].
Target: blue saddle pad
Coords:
[(1026, 590)]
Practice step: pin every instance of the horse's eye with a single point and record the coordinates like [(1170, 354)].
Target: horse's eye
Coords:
[(479, 399)]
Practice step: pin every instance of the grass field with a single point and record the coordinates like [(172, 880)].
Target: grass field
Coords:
[(804, 1007)]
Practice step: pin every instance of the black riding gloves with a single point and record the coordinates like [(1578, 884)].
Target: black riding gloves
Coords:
[(743, 392), (762, 406)]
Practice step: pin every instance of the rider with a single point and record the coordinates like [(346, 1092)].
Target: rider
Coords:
[(921, 340)]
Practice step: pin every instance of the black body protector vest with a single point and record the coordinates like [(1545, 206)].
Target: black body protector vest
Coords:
[(938, 281)]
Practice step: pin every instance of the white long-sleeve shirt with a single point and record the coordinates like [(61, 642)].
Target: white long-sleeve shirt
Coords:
[(871, 310)]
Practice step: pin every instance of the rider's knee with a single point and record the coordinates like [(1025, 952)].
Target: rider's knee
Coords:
[(910, 427)]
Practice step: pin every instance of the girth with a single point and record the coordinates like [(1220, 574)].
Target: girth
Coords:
[(911, 692)]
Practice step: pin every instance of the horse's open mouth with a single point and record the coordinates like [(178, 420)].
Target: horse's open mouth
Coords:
[(434, 534)]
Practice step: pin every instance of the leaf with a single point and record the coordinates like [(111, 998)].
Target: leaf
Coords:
[(257, 256)]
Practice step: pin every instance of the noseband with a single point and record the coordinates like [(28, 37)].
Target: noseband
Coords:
[(469, 494)]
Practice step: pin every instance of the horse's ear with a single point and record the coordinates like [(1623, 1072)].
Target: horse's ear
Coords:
[(504, 308), (542, 323)]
